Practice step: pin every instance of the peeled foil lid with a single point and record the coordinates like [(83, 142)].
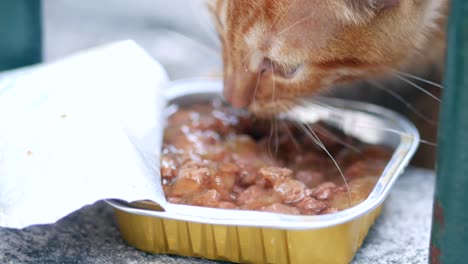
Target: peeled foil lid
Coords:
[(82, 129)]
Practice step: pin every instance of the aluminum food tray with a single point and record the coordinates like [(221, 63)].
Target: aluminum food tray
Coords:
[(260, 237)]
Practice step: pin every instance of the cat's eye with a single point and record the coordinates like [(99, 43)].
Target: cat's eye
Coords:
[(279, 69), (291, 71)]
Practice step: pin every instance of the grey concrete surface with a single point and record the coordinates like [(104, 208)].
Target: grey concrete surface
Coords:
[(400, 235), (177, 33)]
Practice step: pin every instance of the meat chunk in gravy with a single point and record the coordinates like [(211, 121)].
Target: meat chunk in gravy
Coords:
[(218, 157)]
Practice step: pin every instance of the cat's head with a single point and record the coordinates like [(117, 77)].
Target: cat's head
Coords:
[(277, 50)]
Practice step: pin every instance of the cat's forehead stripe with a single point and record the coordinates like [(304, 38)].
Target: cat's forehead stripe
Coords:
[(260, 39)]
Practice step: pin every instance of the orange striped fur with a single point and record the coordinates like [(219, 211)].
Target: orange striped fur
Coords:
[(277, 50)]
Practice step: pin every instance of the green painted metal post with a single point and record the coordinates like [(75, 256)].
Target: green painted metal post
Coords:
[(20, 33), (449, 240)]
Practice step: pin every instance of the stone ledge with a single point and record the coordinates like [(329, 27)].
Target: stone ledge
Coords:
[(400, 235)]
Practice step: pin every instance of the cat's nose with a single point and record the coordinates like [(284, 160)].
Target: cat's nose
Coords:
[(266, 66), (239, 89)]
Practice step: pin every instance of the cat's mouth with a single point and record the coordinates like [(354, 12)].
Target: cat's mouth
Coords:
[(269, 109)]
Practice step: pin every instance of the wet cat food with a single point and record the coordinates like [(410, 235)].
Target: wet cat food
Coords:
[(218, 157)]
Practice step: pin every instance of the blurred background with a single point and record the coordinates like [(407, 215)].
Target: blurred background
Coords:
[(177, 33)]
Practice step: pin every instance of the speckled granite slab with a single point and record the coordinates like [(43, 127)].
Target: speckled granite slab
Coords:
[(400, 235)]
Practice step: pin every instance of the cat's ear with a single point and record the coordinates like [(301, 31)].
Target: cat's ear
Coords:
[(218, 10), (358, 11), (211, 5)]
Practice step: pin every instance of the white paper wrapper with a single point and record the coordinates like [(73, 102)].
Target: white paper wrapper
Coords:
[(79, 130)]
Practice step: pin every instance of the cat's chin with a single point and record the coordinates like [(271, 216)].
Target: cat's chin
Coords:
[(269, 109)]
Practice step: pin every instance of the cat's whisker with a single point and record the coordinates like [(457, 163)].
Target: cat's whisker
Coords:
[(270, 138), (417, 87), (322, 131), (294, 24), (274, 84), (273, 100), (404, 101), (394, 131), (302, 126), (310, 132), (256, 87), (293, 140), (337, 113), (419, 79), (244, 59), (315, 103), (276, 137), (432, 144)]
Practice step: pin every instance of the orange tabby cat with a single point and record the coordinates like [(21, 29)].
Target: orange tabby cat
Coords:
[(277, 50)]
